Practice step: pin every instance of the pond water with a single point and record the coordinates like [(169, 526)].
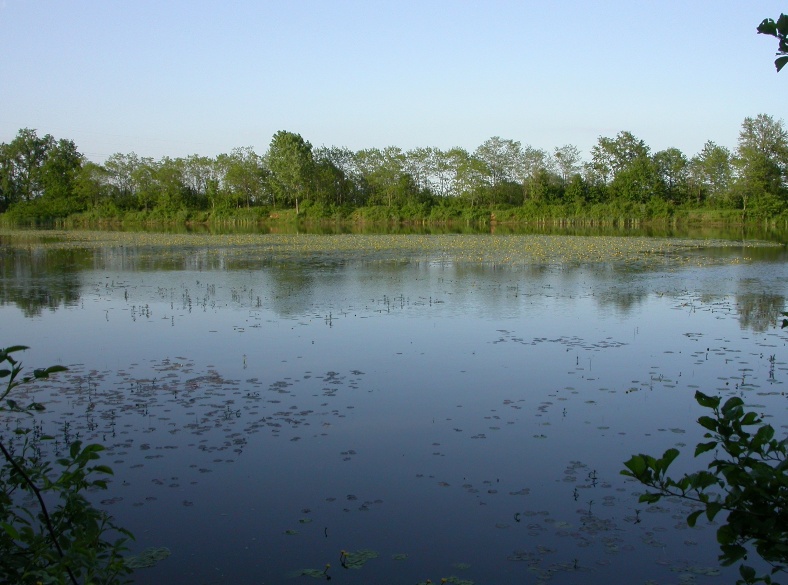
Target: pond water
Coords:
[(459, 407)]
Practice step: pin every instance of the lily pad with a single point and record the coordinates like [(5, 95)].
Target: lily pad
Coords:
[(314, 573), (357, 559), (148, 558)]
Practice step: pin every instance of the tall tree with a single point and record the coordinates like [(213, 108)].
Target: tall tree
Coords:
[(173, 194), (292, 166), (536, 174), (23, 160), (441, 165), (91, 185), (567, 161), (502, 159), (200, 178), (712, 169), (60, 169), (624, 164), (120, 169), (385, 175), (673, 169), (145, 184), (418, 164), (243, 177), (339, 166), (762, 159)]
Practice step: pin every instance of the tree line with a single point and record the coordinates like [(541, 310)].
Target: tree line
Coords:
[(42, 178)]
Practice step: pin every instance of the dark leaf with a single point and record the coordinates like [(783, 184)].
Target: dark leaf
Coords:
[(707, 401), (768, 27), (782, 25), (750, 419), (708, 423), (747, 573), (668, 457), (693, 518), (703, 447), (649, 498), (637, 465), (731, 404), (725, 534), (15, 348)]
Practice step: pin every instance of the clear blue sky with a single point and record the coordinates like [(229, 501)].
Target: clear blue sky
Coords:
[(178, 77)]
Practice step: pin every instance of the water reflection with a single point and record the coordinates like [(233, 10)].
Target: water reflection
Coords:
[(456, 419), (760, 313), (38, 278), (740, 233)]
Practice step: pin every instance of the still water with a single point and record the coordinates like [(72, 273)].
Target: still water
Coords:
[(455, 419)]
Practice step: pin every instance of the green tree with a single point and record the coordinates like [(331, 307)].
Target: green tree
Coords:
[(536, 175), (120, 169), (144, 184), (60, 168), (625, 166), (567, 161), (91, 185), (779, 30), (673, 170), (22, 161), (468, 181), (173, 195), (243, 177), (419, 165), (443, 171), (292, 166), (762, 161), (200, 176), (385, 176), (712, 172), (338, 167), (502, 166)]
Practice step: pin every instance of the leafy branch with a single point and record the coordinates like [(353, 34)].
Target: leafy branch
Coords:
[(779, 30), (746, 479), (65, 543)]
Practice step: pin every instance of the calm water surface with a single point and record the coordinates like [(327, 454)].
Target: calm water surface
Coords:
[(459, 420)]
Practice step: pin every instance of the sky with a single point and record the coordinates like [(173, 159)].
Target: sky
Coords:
[(181, 77)]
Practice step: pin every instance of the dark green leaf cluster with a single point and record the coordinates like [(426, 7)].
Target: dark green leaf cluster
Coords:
[(778, 30), (12, 371), (746, 480), (61, 537)]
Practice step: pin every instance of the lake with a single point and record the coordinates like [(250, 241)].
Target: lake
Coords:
[(438, 406)]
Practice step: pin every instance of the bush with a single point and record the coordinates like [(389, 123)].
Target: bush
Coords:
[(67, 543)]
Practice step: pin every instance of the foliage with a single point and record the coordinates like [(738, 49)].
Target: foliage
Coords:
[(779, 30), (746, 479), (47, 181), (67, 543), (292, 166)]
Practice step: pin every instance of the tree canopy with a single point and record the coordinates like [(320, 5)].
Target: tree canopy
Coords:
[(44, 178)]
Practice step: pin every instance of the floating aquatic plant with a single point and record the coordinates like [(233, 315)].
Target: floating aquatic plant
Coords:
[(357, 559), (314, 573), (148, 558)]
